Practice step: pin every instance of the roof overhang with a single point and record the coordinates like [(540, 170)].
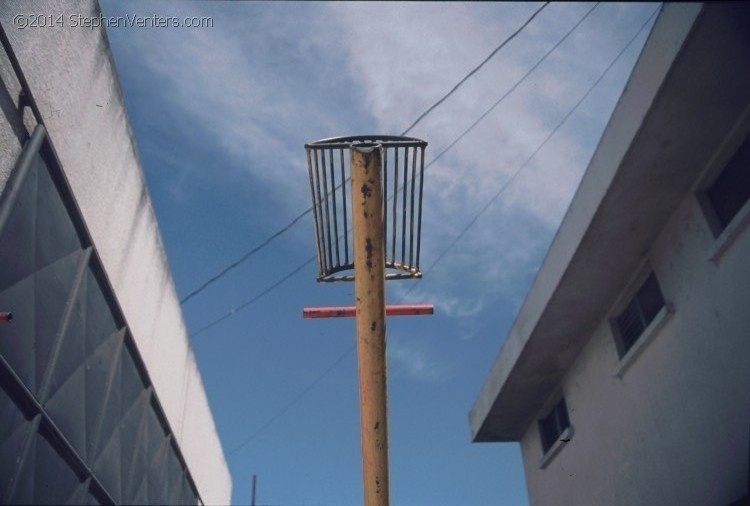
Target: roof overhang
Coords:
[(687, 91)]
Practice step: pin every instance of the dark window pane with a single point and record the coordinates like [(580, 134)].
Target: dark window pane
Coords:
[(551, 426), (630, 324), (731, 189), (646, 304), (650, 298), (562, 416)]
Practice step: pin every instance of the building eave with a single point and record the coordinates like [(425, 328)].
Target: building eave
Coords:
[(679, 105)]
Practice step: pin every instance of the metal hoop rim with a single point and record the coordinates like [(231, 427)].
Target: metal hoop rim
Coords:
[(348, 141)]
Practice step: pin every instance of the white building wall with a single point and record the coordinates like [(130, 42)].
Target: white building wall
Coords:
[(674, 429), (72, 77)]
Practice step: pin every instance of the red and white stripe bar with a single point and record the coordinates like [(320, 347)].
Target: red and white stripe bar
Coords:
[(349, 311)]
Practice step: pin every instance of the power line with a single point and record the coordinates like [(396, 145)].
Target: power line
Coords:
[(518, 171), (505, 185), (244, 257), (307, 211), (467, 76), (258, 296), (513, 88), (450, 146), (294, 401)]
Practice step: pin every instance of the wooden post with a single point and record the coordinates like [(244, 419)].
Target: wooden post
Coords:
[(369, 291)]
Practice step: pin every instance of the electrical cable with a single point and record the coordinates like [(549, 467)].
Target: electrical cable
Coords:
[(450, 146), (467, 76), (531, 157), (244, 257), (304, 213), (505, 185), (294, 401)]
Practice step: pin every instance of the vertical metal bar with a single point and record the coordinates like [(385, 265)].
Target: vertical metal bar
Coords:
[(385, 203), (369, 289), (335, 209), (395, 201), (343, 198), (315, 211), (325, 204), (419, 212), (321, 224), (411, 202), (403, 210)]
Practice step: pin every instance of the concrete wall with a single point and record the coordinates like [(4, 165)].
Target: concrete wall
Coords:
[(72, 77), (674, 426)]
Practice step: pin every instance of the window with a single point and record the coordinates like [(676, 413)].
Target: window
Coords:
[(731, 190), (552, 426), (642, 309)]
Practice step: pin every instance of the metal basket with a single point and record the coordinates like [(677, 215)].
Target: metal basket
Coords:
[(403, 171)]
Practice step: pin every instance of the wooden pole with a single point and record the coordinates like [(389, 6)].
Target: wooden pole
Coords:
[(369, 291)]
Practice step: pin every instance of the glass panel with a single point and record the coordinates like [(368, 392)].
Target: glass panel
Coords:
[(46, 477), (547, 432), (731, 189), (55, 234), (563, 421), (38, 304), (650, 299), (158, 445), (17, 238), (14, 427), (174, 468), (630, 324)]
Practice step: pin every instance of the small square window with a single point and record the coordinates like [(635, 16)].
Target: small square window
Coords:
[(730, 191), (642, 309), (553, 425)]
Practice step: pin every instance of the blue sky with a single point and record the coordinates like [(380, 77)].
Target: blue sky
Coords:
[(221, 116)]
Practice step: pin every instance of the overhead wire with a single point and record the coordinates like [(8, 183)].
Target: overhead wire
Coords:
[(450, 146), (510, 180), (505, 185), (224, 271), (474, 71)]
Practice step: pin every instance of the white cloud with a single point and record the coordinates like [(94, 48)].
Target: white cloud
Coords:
[(271, 76), (406, 55), (417, 363), (257, 86)]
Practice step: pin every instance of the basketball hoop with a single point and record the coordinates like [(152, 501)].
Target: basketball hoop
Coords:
[(402, 184)]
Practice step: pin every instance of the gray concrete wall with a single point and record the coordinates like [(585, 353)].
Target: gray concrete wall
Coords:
[(673, 428), (72, 77)]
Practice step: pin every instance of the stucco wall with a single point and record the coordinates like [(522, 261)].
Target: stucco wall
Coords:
[(675, 427), (72, 77)]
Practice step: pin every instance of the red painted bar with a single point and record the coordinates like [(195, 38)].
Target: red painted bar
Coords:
[(350, 311)]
